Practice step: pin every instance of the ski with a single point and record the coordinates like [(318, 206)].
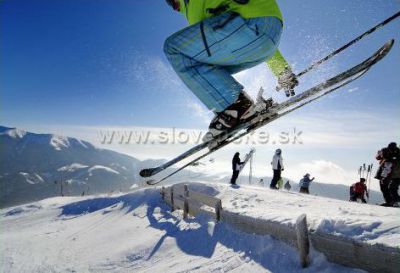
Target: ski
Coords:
[(247, 158), (352, 42), (273, 113)]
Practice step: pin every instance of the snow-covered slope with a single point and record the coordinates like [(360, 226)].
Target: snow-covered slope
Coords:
[(32, 166), (136, 232)]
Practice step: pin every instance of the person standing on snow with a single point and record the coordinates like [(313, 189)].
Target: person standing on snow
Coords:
[(277, 168), (224, 38), (359, 189), (305, 183), (389, 174), (287, 186), (236, 166)]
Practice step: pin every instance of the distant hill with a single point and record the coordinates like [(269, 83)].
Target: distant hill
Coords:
[(32, 166)]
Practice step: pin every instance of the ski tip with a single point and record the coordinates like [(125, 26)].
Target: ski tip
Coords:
[(151, 182), (146, 172), (389, 43)]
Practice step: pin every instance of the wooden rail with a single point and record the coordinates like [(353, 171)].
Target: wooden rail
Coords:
[(372, 258), (191, 202), (345, 251)]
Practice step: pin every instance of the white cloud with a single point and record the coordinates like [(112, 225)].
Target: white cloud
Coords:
[(324, 171), (328, 172), (344, 129), (199, 111), (351, 90)]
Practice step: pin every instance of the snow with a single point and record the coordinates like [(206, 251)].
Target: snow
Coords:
[(59, 142), (136, 232), (14, 133), (72, 167), (82, 143), (32, 178), (364, 222), (102, 168)]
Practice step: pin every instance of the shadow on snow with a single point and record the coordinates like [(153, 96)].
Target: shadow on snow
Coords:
[(202, 236)]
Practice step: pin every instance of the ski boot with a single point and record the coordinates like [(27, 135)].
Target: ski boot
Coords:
[(241, 110), (263, 104)]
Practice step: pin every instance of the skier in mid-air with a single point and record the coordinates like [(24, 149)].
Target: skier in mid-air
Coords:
[(226, 37)]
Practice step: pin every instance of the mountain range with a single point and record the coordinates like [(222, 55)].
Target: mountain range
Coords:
[(37, 166)]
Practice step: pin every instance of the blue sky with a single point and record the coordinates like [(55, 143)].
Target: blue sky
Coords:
[(99, 64)]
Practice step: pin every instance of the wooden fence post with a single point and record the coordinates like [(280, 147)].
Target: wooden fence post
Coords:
[(218, 208), (172, 199), (163, 193), (186, 202), (303, 243)]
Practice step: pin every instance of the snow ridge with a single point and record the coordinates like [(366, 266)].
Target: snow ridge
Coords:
[(14, 133)]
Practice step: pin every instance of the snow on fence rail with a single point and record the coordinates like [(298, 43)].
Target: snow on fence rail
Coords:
[(348, 252), (191, 202), (195, 202), (341, 250)]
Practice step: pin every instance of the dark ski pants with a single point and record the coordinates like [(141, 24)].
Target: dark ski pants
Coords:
[(357, 196), (384, 184), (235, 175), (206, 54), (304, 190), (275, 179), (394, 190)]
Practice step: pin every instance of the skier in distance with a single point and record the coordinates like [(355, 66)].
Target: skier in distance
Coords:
[(236, 166), (277, 168)]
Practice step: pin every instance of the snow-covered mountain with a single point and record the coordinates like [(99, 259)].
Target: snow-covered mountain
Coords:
[(32, 166)]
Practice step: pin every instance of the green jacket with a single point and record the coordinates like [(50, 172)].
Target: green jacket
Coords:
[(197, 10)]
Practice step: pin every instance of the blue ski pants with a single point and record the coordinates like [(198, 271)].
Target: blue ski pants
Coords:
[(206, 54)]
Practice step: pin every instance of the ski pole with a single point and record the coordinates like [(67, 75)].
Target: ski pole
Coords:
[(366, 179), (364, 169), (371, 30), (369, 179), (378, 26)]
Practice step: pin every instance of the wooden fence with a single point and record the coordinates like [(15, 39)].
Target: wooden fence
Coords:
[(341, 250), (191, 202)]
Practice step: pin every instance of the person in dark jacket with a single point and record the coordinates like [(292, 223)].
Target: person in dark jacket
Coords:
[(389, 174), (236, 166), (305, 183), (287, 186), (359, 189), (277, 168)]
